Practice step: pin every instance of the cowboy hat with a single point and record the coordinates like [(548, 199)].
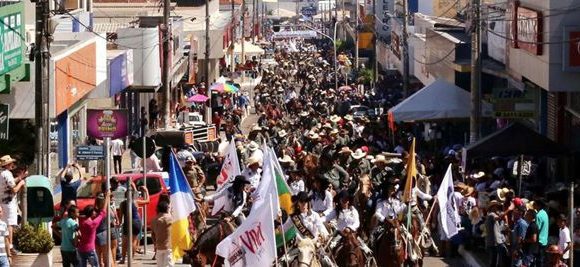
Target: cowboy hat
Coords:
[(256, 128), (394, 161), (301, 197), (468, 191), (313, 136), (530, 205), (380, 158), (358, 154), (282, 133), (303, 114), (285, 159), (477, 175), (334, 131), (252, 161), (502, 193), (345, 149), (493, 203), (253, 146), (334, 118), (5, 160), (349, 117), (370, 157)]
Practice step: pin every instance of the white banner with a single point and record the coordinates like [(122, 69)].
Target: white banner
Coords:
[(254, 242), (267, 186), (448, 215), (230, 169)]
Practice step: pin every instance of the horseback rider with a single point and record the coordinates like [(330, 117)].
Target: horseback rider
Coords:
[(347, 220), (322, 202), (388, 209), (236, 195)]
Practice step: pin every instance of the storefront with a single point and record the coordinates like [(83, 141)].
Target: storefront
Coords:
[(75, 71)]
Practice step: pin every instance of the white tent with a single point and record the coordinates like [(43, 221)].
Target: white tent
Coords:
[(438, 100), (249, 49)]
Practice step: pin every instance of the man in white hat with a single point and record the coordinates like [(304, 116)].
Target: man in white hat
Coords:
[(9, 188), (252, 172), (255, 151), (359, 165)]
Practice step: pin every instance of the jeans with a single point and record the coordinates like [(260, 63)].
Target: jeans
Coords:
[(89, 258), (4, 261), (69, 258)]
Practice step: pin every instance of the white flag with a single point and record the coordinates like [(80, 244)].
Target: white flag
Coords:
[(267, 186), (253, 243), (448, 214), (230, 169)]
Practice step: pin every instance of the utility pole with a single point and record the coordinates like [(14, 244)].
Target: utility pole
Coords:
[(356, 35), (253, 19), (206, 71), (233, 38), (474, 122), (243, 41), (375, 40), (405, 49), (166, 68)]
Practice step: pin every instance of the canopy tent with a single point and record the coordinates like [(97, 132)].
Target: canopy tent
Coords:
[(513, 140), (438, 100), (249, 49)]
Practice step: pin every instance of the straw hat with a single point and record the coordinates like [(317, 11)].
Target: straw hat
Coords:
[(358, 154), (477, 175), (252, 161), (493, 203), (344, 150), (502, 193), (334, 131), (349, 117), (313, 136), (394, 161), (286, 159), (5, 160), (468, 191), (282, 133), (256, 128), (253, 146), (303, 114), (334, 118)]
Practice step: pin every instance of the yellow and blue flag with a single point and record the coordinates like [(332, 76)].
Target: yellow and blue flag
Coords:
[(182, 204)]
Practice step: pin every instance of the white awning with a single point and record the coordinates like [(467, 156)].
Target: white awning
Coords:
[(249, 49)]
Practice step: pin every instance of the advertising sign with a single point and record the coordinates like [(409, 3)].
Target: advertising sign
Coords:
[(118, 74), (514, 103), (75, 75), (529, 30), (4, 111), (571, 52), (103, 123), (11, 32)]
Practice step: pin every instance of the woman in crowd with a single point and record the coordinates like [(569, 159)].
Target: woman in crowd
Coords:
[(135, 218)]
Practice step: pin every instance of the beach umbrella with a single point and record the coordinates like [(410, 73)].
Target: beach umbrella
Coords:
[(199, 98), (223, 87)]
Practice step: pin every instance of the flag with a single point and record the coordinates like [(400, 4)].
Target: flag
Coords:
[(411, 173), (253, 242), (448, 215), (267, 187), (284, 202), (230, 169), (183, 204)]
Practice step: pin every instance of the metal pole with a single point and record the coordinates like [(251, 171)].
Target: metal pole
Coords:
[(166, 67), (233, 41), (206, 71), (356, 35), (41, 87), (243, 41), (520, 168), (474, 122), (375, 39), (572, 222), (145, 184), (108, 189), (335, 59), (405, 49), (130, 218)]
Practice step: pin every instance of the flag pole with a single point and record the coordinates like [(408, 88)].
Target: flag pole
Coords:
[(283, 238), (274, 234)]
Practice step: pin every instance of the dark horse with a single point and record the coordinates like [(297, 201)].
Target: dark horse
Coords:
[(390, 247), (349, 254), (203, 252)]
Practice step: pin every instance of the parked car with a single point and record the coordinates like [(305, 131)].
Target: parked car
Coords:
[(156, 185)]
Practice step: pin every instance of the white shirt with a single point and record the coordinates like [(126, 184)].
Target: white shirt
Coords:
[(323, 205), (296, 187), (314, 224), (7, 182), (348, 218), (253, 177), (258, 154), (416, 192), (117, 147), (229, 205), (152, 164), (563, 240), (389, 209)]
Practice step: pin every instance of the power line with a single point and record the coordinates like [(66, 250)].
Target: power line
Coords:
[(531, 42)]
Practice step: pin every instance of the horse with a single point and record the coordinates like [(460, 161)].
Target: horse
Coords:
[(306, 254), (361, 197), (412, 239), (203, 251), (390, 249), (310, 168), (424, 184), (349, 253)]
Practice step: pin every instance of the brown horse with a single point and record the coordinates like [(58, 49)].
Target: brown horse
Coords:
[(390, 249), (310, 168), (361, 197), (349, 254), (203, 252)]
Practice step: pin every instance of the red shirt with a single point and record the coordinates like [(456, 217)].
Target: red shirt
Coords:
[(88, 228)]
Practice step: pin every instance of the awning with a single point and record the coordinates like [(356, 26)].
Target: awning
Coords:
[(513, 140), (249, 49), (438, 100)]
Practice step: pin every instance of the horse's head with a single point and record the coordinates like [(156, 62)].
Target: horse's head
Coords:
[(364, 185), (197, 259), (307, 252)]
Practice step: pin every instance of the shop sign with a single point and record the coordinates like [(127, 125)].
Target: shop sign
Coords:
[(103, 123), (75, 75), (90, 153), (294, 34), (571, 52), (514, 103), (4, 111), (11, 32), (529, 30)]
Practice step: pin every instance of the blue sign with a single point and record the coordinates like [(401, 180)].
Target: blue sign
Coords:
[(308, 11), (90, 153), (118, 74)]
